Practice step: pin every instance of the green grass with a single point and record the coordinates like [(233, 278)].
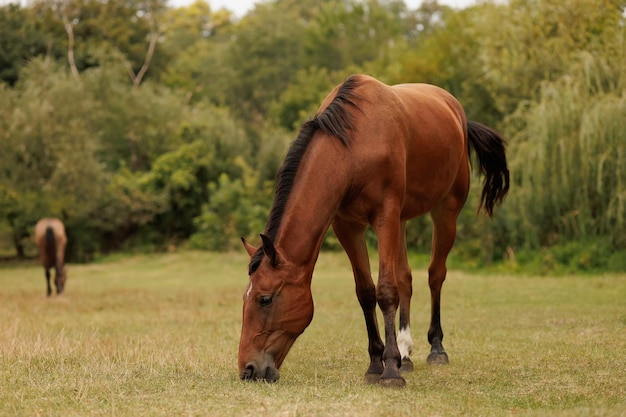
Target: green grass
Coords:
[(158, 335)]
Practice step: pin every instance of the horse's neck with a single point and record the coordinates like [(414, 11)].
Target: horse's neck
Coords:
[(320, 186)]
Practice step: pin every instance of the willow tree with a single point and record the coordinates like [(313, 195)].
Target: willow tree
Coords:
[(568, 159)]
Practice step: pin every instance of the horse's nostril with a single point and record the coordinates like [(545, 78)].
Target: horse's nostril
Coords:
[(272, 374), (249, 372)]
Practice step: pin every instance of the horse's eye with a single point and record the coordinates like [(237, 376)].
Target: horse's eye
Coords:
[(265, 300)]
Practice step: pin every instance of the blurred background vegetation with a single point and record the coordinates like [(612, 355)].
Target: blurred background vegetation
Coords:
[(146, 127)]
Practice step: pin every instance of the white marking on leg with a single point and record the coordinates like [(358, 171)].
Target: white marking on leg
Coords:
[(405, 342)]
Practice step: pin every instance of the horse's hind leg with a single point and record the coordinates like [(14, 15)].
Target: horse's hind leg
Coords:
[(405, 290), (444, 234), (57, 280), (48, 281), (352, 238)]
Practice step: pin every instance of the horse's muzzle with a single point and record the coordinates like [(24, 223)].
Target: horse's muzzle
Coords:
[(254, 373)]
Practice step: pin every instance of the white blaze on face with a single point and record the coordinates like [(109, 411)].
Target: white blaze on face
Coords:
[(405, 342), (249, 290)]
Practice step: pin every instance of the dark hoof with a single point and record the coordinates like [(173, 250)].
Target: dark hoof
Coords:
[(392, 382), (407, 365), (437, 358), (372, 378)]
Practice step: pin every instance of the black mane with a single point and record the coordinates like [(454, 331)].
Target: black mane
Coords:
[(335, 120)]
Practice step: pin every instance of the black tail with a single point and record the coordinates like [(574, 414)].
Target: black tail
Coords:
[(490, 150), (51, 245)]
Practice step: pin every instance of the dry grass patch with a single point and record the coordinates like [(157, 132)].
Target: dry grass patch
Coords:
[(158, 335)]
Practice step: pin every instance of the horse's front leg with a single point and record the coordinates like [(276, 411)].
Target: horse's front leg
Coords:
[(352, 238), (388, 296), (388, 300)]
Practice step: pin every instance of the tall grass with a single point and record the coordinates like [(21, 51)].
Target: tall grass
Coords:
[(158, 335)]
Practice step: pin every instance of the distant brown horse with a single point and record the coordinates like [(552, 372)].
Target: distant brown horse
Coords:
[(51, 241), (374, 155)]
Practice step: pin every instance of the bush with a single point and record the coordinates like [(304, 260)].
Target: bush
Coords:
[(236, 209)]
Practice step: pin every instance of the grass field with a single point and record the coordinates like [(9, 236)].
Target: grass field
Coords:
[(158, 336)]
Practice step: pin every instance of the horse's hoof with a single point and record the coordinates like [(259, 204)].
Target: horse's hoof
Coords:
[(407, 365), (437, 358), (372, 378), (392, 382)]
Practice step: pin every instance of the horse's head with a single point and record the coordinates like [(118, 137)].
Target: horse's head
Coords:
[(277, 307), (60, 279)]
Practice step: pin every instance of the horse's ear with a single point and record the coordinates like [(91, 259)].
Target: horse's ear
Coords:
[(249, 248), (269, 250)]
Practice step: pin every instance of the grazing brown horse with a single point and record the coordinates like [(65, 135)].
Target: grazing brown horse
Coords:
[(373, 155), (51, 242)]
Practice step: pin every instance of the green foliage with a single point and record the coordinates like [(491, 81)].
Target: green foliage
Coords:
[(191, 150), (198, 41), (127, 210), (119, 28), (575, 256), (181, 175), (567, 160), (20, 41), (301, 98), (539, 41), (263, 58), (237, 208), (346, 33)]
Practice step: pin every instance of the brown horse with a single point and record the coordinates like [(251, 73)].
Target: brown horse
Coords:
[(374, 155), (51, 241)]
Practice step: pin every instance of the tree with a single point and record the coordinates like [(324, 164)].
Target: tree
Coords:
[(20, 41), (526, 43), (90, 30), (196, 39), (301, 98), (263, 58), (568, 158), (351, 33)]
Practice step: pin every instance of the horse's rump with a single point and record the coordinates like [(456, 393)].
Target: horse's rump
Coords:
[(51, 240)]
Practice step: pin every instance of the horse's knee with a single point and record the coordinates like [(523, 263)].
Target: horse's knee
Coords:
[(436, 277), (387, 296), (366, 294)]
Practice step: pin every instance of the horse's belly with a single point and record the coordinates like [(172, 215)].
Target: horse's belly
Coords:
[(417, 205), (426, 188)]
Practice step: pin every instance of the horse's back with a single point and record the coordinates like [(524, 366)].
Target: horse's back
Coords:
[(423, 118)]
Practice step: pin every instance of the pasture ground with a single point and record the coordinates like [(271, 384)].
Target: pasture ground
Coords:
[(157, 336)]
